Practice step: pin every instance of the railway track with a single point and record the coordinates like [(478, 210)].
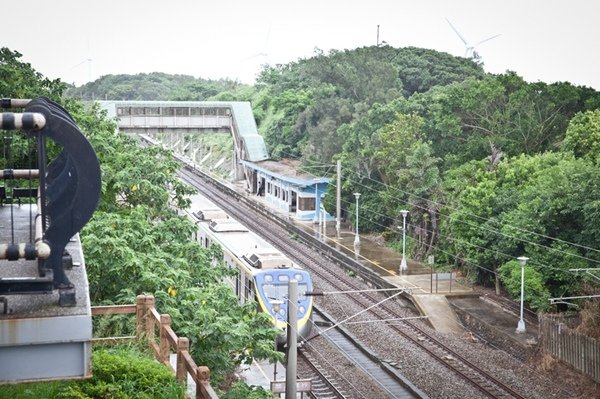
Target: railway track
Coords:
[(324, 386), (312, 260)]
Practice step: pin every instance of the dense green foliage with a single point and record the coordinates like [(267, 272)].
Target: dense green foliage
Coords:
[(307, 101), (152, 86), (120, 373), (490, 167), (136, 243)]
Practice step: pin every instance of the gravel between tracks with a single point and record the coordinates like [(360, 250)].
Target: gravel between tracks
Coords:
[(433, 378), (356, 383)]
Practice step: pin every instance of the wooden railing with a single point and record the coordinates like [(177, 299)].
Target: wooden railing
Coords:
[(148, 320)]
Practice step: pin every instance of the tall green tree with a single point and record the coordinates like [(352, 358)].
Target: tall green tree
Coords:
[(544, 207), (583, 136)]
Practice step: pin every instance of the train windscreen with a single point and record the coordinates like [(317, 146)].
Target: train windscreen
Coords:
[(280, 291)]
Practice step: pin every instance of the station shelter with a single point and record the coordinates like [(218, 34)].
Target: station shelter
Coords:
[(288, 190)]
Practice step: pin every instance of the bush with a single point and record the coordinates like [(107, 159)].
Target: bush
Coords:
[(535, 292), (118, 373)]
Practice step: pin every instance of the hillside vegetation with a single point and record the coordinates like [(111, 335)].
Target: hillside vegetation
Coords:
[(490, 167)]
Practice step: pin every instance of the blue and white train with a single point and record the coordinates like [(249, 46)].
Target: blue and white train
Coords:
[(264, 272)]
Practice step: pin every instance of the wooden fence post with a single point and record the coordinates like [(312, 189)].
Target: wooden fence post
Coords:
[(165, 321), (140, 313), (202, 377), (183, 344), (149, 318)]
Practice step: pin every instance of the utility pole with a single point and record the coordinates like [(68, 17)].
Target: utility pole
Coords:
[(338, 202), (292, 355)]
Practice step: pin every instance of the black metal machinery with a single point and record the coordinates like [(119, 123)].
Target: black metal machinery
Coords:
[(67, 195)]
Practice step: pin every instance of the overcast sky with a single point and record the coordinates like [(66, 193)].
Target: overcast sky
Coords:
[(541, 40)]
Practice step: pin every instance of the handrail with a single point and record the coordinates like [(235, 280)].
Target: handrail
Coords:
[(147, 320)]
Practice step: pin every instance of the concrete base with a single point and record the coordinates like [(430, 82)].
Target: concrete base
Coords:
[(40, 340)]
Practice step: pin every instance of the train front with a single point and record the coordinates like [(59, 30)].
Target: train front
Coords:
[(272, 289)]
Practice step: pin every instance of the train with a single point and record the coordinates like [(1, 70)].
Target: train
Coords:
[(263, 271)]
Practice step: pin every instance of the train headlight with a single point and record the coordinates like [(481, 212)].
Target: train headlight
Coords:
[(301, 309), (268, 278), (298, 277)]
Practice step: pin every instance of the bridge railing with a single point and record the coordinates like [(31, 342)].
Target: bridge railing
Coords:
[(148, 322)]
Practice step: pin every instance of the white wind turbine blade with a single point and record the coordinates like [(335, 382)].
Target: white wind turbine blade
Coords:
[(488, 39), (458, 33)]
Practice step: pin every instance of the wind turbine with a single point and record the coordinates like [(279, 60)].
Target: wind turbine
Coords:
[(470, 51)]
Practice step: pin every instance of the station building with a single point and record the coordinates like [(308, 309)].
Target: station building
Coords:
[(288, 190)]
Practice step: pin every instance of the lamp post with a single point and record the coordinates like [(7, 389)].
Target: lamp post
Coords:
[(521, 325), (316, 217), (403, 265), (356, 237)]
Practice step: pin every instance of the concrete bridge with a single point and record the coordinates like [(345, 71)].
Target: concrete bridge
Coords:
[(171, 121)]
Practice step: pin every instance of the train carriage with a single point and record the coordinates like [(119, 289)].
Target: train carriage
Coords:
[(264, 272)]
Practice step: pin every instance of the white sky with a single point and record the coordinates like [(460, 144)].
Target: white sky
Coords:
[(542, 40)]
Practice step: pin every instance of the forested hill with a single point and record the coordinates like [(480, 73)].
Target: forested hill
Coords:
[(151, 87), (490, 167)]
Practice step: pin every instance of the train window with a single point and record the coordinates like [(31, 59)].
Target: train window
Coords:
[(280, 291), (123, 111), (181, 111), (283, 277), (137, 110), (275, 291), (196, 111), (152, 110), (168, 111), (250, 292)]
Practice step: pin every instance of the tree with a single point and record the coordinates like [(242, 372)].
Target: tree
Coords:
[(464, 120), (536, 294), (583, 136), (344, 85), (544, 207), (19, 80), (409, 172)]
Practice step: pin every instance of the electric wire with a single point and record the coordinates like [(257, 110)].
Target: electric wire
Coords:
[(449, 217), (532, 262)]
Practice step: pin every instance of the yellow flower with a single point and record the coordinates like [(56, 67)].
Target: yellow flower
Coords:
[(135, 187), (172, 291)]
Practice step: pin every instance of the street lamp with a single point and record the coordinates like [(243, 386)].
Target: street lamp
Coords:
[(403, 265), (521, 325), (316, 217), (356, 237)]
